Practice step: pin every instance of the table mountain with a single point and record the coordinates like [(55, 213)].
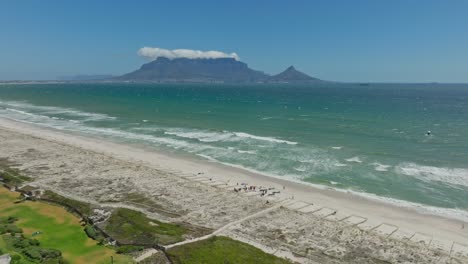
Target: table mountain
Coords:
[(195, 70)]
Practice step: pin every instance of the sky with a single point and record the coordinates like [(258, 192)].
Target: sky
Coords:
[(350, 41)]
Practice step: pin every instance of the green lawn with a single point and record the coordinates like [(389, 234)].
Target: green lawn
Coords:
[(60, 230), (222, 250), (129, 226)]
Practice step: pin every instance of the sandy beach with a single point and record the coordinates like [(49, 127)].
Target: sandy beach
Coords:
[(202, 193)]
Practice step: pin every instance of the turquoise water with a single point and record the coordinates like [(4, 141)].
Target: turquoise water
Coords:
[(370, 140)]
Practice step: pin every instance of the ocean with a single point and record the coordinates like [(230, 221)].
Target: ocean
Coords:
[(371, 140)]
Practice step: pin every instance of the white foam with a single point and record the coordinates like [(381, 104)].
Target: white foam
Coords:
[(380, 167), (444, 212), (354, 159), (337, 147), (247, 151), (214, 136), (301, 169), (207, 157), (19, 111), (455, 176), (174, 143), (270, 139), (199, 135), (452, 213), (340, 165), (426, 209), (27, 108)]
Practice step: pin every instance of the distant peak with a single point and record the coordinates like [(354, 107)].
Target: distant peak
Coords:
[(291, 75)]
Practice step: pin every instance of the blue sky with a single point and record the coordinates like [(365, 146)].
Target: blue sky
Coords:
[(396, 41)]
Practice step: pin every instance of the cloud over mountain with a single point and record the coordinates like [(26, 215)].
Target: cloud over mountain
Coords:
[(154, 53)]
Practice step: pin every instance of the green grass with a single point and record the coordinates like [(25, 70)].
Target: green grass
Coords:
[(217, 250), (133, 227), (60, 230)]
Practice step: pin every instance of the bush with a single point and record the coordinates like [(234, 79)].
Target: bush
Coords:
[(33, 242), (33, 253), (12, 219), (21, 243), (15, 259), (11, 228), (50, 253), (91, 232), (128, 249)]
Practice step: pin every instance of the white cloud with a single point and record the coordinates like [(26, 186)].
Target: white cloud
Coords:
[(154, 53)]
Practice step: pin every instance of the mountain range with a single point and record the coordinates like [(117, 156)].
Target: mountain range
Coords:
[(226, 70)]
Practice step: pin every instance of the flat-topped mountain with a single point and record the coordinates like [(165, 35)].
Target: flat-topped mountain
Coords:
[(292, 75), (227, 70), (195, 70)]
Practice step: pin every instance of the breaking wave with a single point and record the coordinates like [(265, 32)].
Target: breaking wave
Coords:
[(270, 139), (52, 111), (454, 176)]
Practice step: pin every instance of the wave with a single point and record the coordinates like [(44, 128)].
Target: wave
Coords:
[(207, 157), (246, 151), (270, 139), (47, 111), (209, 136), (174, 143), (301, 169), (453, 176), (337, 147), (340, 164), (453, 213), (199, 135), (380, 167), (354, 159)]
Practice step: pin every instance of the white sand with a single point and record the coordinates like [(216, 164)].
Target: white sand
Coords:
[(386, 219)]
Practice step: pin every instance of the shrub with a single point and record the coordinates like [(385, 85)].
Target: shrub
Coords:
[(11, 228), (15, 259), (33, 242), (12, 219), (50, 253), (33, 253), (91, 232), (128, 249), (21, 243)]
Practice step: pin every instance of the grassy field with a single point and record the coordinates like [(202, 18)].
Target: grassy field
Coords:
[(129, 226), (60, 230), (224, 250)]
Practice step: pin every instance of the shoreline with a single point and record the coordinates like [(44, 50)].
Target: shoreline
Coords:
[(340, 200)]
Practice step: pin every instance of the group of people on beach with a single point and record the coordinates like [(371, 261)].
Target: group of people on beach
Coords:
[(263, 191), (245, 187)]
